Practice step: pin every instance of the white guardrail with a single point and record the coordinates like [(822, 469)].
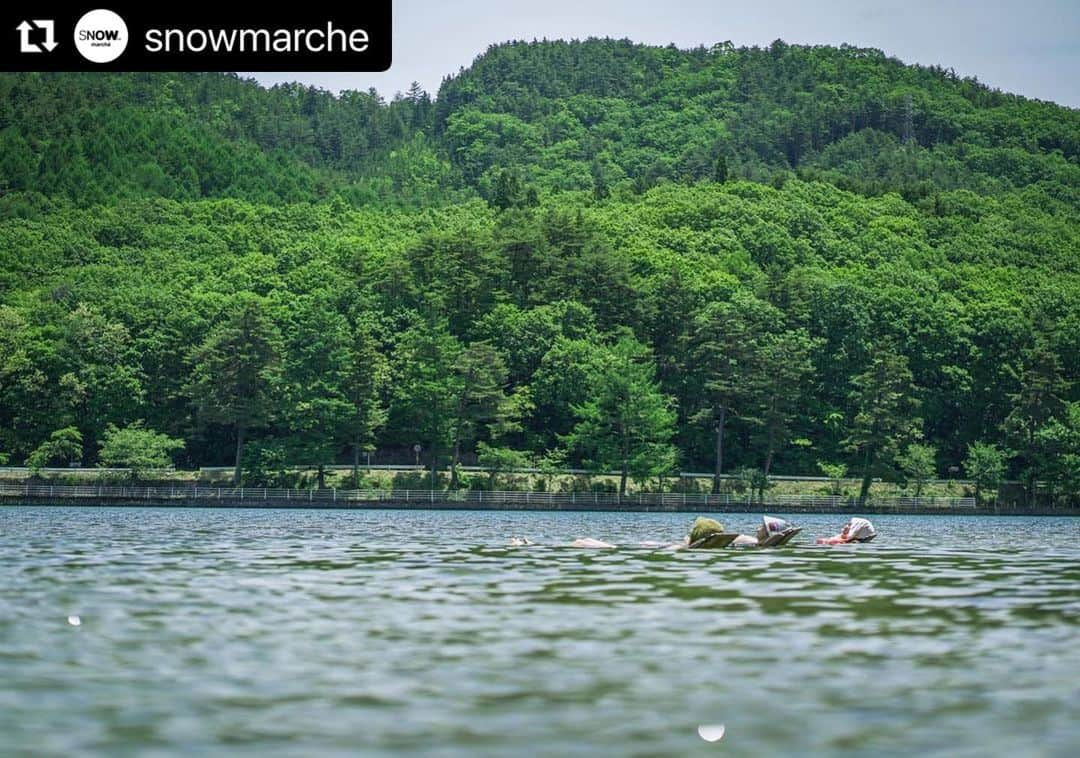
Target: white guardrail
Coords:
[(255, 495), (23, 472)]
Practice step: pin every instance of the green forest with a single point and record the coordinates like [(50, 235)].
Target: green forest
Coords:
[(599, 254)]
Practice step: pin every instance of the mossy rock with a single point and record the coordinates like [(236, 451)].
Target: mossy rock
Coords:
[(703, 527)]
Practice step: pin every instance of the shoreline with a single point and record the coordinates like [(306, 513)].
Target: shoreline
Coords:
[(457, 505)]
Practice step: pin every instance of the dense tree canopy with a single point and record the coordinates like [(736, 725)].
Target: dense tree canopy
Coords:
[(804, 256)]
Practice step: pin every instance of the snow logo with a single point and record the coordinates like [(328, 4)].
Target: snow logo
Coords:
[(101, 36)]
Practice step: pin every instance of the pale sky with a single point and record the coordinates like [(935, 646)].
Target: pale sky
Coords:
[(1030, 47)]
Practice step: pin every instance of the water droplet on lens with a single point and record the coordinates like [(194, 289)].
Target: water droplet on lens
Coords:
[(711, 732)]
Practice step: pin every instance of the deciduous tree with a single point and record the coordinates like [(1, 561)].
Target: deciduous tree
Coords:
[(884, 400), (235, 371), (625, 423)]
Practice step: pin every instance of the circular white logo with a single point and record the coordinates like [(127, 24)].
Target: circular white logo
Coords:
[(101, 36)]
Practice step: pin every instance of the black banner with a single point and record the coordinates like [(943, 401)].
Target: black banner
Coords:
[(140, 36)]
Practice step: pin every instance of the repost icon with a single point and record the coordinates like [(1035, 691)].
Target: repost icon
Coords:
[(37, 25)]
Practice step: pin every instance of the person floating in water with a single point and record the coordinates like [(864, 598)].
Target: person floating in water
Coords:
[(590, 542), (705, 534), (773, 532), (855, 530)]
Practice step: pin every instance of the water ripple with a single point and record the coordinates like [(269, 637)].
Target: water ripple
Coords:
[(336, 632)]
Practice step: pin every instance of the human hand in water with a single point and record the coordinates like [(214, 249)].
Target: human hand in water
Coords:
[(839, 539)]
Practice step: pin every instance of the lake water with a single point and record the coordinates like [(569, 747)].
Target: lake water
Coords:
[(304, 633)]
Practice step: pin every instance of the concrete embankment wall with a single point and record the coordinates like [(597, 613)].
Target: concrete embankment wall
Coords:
[(494, 504)]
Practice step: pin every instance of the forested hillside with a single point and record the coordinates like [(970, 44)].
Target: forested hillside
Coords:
[(780, 260)]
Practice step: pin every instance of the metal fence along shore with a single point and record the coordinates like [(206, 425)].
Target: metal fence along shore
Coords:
[(383, 498), (215, 473)]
